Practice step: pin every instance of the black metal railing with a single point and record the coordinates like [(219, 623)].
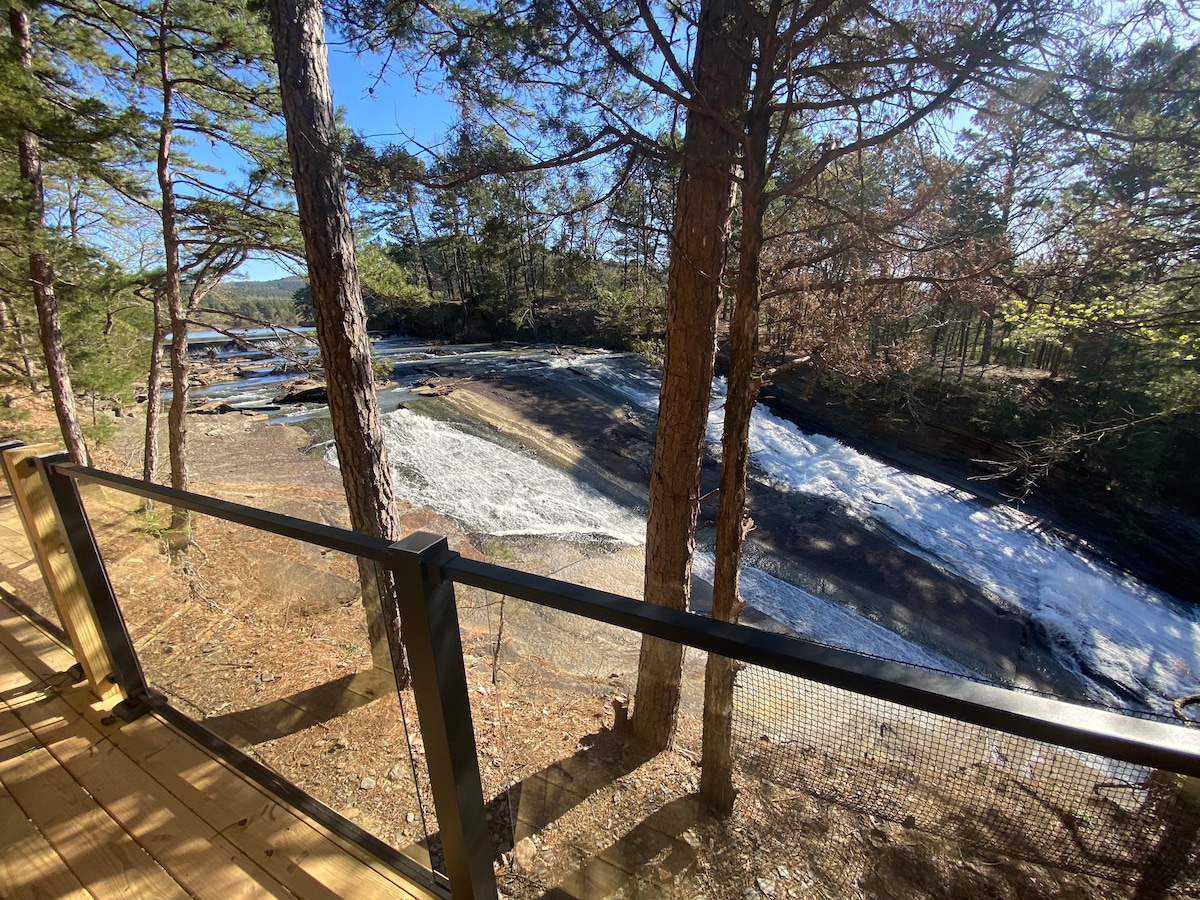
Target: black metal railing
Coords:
[(426, 571)]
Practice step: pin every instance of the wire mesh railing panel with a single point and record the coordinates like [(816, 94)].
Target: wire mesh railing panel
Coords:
[(576, 808), (262, 639), (22, 582), (981, 787), (837, 792)]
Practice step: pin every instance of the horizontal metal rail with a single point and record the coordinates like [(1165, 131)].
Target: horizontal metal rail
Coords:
[(1145, 742), (326, 536), (1155, 744)]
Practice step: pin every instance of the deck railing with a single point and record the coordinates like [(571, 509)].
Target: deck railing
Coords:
[(426, 572)]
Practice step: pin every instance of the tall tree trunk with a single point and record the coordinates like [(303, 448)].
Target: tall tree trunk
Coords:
[(465, 290), (153, 395), (412, 217), (41, 271), (298, 33), (448, 276), (73, 213), (962, 356), (703, 198), (177, 425), (716, 775), (940, 314), (989, 323)]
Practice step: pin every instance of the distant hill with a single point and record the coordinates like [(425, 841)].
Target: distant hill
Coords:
[(255, 302), (280, 287)]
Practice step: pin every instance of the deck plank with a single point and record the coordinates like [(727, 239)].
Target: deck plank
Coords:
[(33, 648), (221, 797), (203, 864), (137, 809), (30, 869), (203, 823), (206, 865), (300, 854), (15, 738), (96, 850), (204, 784)]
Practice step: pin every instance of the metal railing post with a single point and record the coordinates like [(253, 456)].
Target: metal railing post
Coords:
[(81, 546), (430, 625)]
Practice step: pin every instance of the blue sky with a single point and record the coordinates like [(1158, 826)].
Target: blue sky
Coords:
[(395, 113)]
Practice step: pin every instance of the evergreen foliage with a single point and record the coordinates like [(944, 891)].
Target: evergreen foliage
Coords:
[(1037, 273)]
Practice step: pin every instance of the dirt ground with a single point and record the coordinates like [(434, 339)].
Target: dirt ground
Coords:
[(264, 639)]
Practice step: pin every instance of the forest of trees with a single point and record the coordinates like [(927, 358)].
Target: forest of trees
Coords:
[(985, 214), (1032, 247)]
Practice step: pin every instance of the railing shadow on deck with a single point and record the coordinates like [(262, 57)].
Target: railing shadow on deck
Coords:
[(426, 572)]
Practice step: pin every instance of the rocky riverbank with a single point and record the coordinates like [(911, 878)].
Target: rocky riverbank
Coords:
[(248, 634)]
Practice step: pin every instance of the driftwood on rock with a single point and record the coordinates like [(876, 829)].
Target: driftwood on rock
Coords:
[(202, 376), (293, 368), (220, 408), (212, 408), (431, 387), (303, 390)]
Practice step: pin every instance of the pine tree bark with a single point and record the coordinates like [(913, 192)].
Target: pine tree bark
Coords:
[(153, 398), (716, 775), (703, 200), (177, 424), (298, 32), (41, 270)]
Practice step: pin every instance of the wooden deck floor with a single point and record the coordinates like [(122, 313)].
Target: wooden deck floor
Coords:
[(93, 807)]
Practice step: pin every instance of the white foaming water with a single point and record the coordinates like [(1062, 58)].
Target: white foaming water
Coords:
[(1098, 621), (1117, 628), (614, 370), (494, 490), (497, 491)]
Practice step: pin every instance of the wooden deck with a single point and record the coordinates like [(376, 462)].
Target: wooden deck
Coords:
[(93, 807)]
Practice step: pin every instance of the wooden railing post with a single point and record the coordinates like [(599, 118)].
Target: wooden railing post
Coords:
[(59, 573), (81, 547)]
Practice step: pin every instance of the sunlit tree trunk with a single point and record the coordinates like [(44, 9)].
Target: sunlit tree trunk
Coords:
[(41, 270), (703, 199), (298, 31), (716, 777), (177, 425), (153, 395)]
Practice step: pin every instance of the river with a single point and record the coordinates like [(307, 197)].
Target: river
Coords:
[(1130, 645)]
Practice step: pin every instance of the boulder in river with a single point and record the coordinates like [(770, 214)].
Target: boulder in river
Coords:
[(431, 387)]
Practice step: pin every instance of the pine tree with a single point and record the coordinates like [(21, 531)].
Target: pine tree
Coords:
[(203, 72), (854, 80), (33, 112), (319, 174)]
